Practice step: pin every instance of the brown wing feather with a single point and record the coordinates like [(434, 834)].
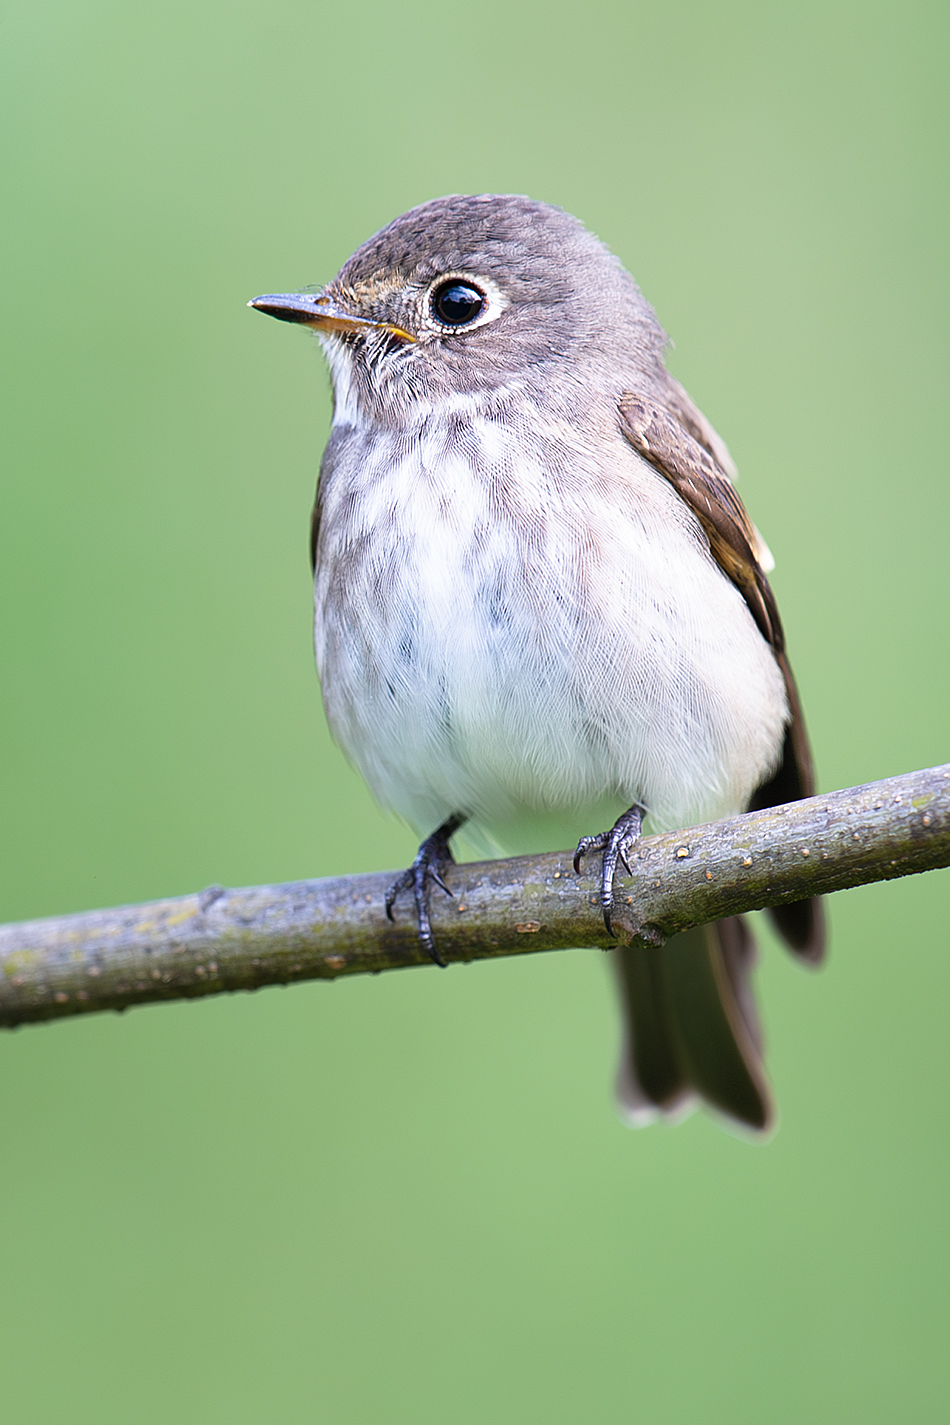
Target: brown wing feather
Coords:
[(678, 401), (683, 447), (710, 494)]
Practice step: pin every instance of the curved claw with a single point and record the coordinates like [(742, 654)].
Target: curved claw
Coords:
[(616, 845), (433, 855), (587, 844), (434, 876), (401, 883)]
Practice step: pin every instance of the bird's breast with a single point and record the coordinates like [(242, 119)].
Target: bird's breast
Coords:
[(512, 619)]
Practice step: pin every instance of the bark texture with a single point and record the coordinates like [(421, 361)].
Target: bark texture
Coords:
[(220, 939)]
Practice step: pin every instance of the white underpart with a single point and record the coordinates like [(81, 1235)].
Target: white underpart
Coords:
[(530, 639), (346, 411)]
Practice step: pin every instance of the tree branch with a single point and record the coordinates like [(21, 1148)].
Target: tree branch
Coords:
[(242, 939)]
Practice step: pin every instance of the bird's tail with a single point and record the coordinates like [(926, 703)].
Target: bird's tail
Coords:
[(691, 1027)]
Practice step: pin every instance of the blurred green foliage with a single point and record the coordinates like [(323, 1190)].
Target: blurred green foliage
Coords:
[(407, 1199)]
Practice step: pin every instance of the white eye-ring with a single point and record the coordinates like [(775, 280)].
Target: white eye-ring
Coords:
[(461, 301)]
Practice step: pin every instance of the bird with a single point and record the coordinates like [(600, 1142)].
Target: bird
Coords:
[(542, 613)]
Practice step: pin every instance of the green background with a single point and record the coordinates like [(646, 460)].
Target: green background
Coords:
[(407, 1199)]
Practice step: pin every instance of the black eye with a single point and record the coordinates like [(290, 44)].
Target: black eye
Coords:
[(457, 303)]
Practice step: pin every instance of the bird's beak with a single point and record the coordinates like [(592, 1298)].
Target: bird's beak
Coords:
[(322, 312)]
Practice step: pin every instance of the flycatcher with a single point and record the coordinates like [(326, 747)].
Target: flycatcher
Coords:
[(541, 608)]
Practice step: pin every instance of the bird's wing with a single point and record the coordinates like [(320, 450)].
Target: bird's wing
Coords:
[(314, 533), (699, 480), (327, 464), (679, 442), (680, 403)]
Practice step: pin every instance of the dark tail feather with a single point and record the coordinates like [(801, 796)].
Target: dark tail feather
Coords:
[(692, 1028), (801, 924)]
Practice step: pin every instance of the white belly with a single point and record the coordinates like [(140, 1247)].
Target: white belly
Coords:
[(536, 645)]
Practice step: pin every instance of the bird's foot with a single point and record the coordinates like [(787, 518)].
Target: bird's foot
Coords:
[(431, 860), (616, 844)]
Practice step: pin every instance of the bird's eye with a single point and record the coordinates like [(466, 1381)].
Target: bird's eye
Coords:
[(457, 303)]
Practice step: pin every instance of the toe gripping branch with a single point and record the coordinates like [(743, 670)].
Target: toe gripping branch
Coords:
[(431, 860), (616, 844)]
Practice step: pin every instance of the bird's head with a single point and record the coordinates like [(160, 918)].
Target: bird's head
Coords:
[(465, 296)]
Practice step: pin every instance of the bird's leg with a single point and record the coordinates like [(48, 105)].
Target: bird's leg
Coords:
[(431, 860), (616, 845)]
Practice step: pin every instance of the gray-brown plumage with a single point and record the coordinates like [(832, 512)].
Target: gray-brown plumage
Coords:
[(541, 607)]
